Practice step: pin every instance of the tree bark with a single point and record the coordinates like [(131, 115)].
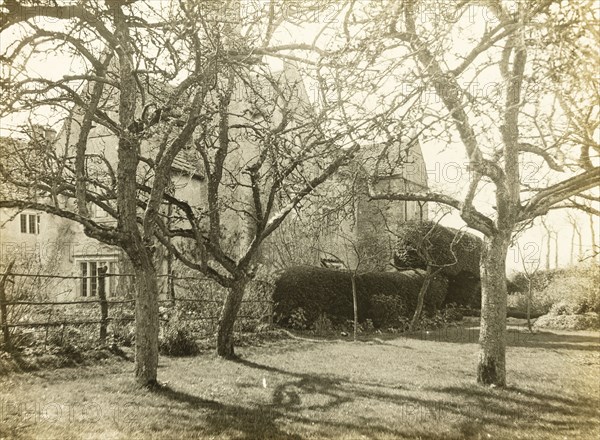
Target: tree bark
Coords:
[(580, 246), (421, 297), (355, 305), (491, 369), (529, 297), (146, 328), (233, 302), (572, 259), (556, 250), (593, 235), (548, 245)]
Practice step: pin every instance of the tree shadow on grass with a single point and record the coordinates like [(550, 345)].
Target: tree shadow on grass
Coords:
[(556, 341), (434, 413), (252, 423), (516, 337), (520, 395), (266, 421), (526, 406)]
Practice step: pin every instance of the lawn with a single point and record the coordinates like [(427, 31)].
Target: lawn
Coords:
[(378, 388)]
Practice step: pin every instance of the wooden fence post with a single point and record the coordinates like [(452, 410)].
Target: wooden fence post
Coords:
[(171, 286), (103, 303), (3, 310)]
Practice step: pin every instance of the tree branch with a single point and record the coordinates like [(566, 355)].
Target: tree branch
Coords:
[(530, 148), (471, 216), (548, 197)]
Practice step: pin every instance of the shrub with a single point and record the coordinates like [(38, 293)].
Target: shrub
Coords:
[(587, 321), (123, 333), (386, 310), (297, 319), (540, 302), (452, 313), (519, 283), (436, 320), (405, 284), (558, 292), (575, 291), (323, 324), (178, 340), (317, 290)]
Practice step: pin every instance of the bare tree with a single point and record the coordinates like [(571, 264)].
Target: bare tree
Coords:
[(251, 187), (357, 255), (503, 133), (530, 271), (151, 79), (595, 247), (116, 54), (576, 239), (435, 260), (550, 236)]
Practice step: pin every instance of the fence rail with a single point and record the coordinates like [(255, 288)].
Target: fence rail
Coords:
[(108, 274), (102, 302)]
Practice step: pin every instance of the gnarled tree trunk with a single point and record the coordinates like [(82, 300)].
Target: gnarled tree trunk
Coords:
[(146, 328), (491, 369), (421, 298), (354, 304), (229, 313)]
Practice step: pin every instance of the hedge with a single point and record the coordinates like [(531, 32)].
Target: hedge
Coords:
[(464, 289), (462, 259), (320, 290), (467, 248), (519, 283)]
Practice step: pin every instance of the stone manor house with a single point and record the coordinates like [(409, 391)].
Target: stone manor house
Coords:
[(59, 246)]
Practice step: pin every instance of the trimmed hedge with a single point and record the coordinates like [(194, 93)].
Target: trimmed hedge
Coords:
[(464, 289), (462, 272), (318, 290), (467, 249), (315, 290)]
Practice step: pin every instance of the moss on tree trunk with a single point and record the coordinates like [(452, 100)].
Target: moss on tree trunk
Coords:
[(146, 329), (231, 307), (491, 369)]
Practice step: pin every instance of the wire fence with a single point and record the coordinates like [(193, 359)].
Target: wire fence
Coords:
[(202, 313)]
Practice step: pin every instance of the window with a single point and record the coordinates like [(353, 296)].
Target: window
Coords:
[(89, 282), (96, 211), (30, 223), (100, 213), (332, 263)]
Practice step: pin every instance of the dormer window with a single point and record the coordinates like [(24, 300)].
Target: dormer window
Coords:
[(30, 223), (332, 263)]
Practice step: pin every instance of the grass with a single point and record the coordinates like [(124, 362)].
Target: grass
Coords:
[(391, 387)]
